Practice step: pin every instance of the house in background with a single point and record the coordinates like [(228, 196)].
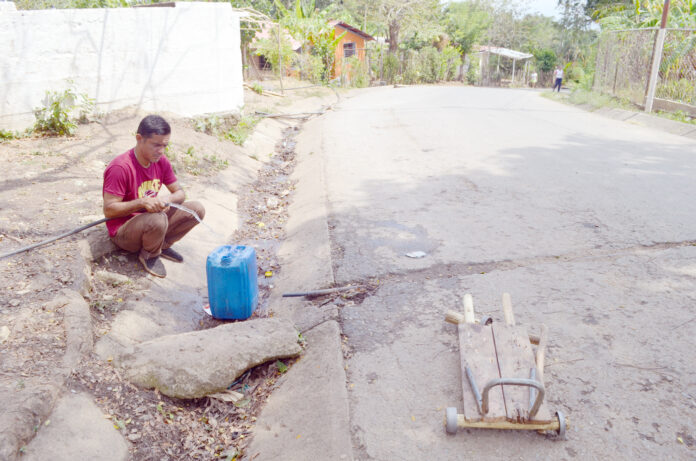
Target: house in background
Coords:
[(353, 43), (257, 63)]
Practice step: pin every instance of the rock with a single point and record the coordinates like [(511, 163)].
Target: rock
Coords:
[(96, 243), (78, 430), (195, 364), (14, 302), (111, 278), (272, 202), (4, 333), (77, 321), (133, 437)]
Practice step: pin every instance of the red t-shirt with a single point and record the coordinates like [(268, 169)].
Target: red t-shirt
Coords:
[(125, 177)]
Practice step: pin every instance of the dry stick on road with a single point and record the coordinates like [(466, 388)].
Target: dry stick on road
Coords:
[(321, 292), (688, 321), (265, 91), (637, 367), (564, 362)]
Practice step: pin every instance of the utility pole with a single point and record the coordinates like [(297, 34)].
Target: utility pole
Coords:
[(280, 61), (656, 59)]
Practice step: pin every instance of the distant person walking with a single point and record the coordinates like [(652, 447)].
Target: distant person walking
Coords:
[(533, 80), (558, 78)]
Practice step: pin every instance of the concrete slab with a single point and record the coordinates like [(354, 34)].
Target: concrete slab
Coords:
[(663, 124), (77, 430), (308, 416)]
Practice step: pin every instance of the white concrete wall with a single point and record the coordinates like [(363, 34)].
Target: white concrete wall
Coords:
[(184, 59)]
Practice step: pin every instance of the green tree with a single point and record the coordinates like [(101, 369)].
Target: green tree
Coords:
[(644, 13), (545, 59), (309, 26), (465, 24), (398, 19)]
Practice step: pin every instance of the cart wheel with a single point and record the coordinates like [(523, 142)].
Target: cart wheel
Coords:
[(561, 425), (451, 420)]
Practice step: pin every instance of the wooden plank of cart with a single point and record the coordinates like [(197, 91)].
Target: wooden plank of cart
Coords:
[(502, 377)]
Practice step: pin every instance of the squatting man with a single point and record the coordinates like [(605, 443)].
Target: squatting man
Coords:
[(141, 221)]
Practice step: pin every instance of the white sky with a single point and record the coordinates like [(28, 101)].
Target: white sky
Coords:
[(545, 7)]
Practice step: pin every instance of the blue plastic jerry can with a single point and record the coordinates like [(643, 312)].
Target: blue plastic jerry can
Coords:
[(233, 289)]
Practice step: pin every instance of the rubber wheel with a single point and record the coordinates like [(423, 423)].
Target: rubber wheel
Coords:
[(451, 420), (561, 426)]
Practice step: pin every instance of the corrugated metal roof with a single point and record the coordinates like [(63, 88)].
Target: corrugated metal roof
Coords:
[(355, 30), (512, 54)]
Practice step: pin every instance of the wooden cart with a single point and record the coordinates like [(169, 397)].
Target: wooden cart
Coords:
[(502, 378)]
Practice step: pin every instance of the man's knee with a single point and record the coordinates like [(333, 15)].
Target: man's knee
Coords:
[(197, 207), (154, 222)]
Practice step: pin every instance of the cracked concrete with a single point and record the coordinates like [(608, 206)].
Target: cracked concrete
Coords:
[(585, 221)]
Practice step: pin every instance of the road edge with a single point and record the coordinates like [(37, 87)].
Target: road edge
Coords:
[(308, 415)]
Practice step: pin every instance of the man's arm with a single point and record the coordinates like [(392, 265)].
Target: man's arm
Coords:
[(177, 193), (115, 207)]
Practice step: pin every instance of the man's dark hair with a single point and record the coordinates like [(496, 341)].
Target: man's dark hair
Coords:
[(153, 124)]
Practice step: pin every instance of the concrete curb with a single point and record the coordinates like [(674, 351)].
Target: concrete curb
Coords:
[(647, 120), (307, 417)]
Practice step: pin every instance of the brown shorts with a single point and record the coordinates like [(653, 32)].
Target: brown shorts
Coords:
[(150, 233)]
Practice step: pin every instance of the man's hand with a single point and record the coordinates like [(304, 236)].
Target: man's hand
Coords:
[(115, 207), (154, 204)]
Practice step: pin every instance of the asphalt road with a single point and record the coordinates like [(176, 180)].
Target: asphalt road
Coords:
[(589, 223)]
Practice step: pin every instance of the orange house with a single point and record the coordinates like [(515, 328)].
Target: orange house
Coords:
[(353, 43)]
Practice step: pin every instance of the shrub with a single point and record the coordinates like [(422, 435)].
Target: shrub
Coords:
[(239, 133), (61, 112), (6, 135), (354, 71), (683, 90), (390, 66), (269, 49), (545, 59), (472, 73), (429, 64), (575, 72), (411, 68), (311, 67), (209, 125), (449, 63)]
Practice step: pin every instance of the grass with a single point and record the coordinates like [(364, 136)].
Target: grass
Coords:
[(678, 116), (8, 135), (191, 162), (596, 100), (241, 131)]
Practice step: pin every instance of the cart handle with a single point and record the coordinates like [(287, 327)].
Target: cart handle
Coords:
[(514, 382)]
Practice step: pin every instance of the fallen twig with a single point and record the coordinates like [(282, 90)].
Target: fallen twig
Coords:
[(297, 115), (564, 362), (688, 321), (321, 292), (637, 367), (264, 91)]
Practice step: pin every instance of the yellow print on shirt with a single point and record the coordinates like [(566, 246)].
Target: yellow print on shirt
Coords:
[(149, 188)]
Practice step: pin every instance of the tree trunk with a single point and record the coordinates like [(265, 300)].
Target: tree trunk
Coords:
[(394, 28)]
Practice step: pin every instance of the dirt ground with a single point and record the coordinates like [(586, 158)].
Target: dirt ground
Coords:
[(52, 185)]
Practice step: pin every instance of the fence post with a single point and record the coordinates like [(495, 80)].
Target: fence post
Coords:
[(656, 59)]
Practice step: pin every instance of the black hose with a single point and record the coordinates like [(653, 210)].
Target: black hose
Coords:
[(53, 239)]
